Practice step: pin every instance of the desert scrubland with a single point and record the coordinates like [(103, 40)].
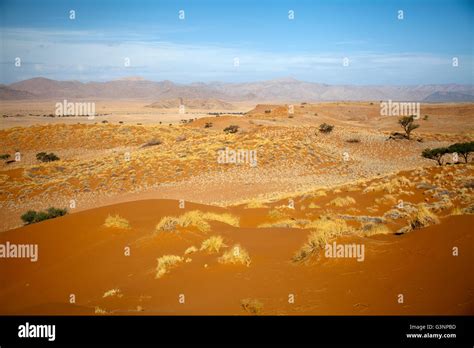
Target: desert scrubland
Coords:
[(155, 215)]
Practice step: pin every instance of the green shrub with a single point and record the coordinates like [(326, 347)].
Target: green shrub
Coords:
[(32, 216), (46, 157), (28, 217), (326, 128), (56, 212)]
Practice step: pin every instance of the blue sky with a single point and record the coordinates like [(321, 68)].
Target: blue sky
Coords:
[(380, 48)]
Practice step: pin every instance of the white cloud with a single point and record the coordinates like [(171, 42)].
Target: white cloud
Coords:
[(86, 55)]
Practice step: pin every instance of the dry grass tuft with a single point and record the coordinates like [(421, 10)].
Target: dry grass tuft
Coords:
[(324, 230), (167, 223), (116, 221), (286, 223), (390, 186), (225, 218), (252, 306), (113, 293), (213, 244), (333, 226), (165, 263), (235, 256), (423, 217), (386, 199), (190, 250), (98, 310), (373, 229), (342, 201), (196, 219), (277, 214)]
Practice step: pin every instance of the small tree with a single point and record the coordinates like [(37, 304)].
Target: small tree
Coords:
[(463, 149), (5, 156), (326, 128), (435, 154), (408, 124)]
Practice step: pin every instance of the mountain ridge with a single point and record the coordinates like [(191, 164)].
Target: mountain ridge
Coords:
[(281, 89)]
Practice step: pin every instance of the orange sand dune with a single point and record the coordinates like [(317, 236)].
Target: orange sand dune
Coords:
[(80, 256)]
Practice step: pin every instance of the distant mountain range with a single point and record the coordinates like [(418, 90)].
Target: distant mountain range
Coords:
[(283, 90), (203, 104)]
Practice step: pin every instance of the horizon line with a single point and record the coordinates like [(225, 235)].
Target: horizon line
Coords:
[(282, 79)]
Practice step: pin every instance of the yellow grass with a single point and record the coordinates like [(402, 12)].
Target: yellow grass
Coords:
[(190, 250), (167, 223), (165, 263), (324, 230), (342, 201), (320, 193), (197, 219), (277, 214), (116, 221), (213, 244), (194, 218), (98, 310), (388, 199), (112, 293), (331, 226), (373, 229), (235, 256), (225, 218), (286, 223), (423, 217), (390, 186), (252, 306)]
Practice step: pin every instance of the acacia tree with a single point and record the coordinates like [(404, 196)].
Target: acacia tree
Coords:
[(435, 154), (463, 149), (408, 124)]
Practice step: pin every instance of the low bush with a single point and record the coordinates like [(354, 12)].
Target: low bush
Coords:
[(46, 157), (32, 216), (326, 128), (231, 129)]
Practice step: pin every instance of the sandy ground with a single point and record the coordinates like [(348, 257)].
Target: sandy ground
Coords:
[(79, 256), (26, 113), (106, 170), (293, 156)]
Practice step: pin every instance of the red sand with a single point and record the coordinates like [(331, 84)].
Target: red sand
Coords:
[(77, 255)]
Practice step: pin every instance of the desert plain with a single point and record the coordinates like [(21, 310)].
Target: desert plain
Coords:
[(156, 225)]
